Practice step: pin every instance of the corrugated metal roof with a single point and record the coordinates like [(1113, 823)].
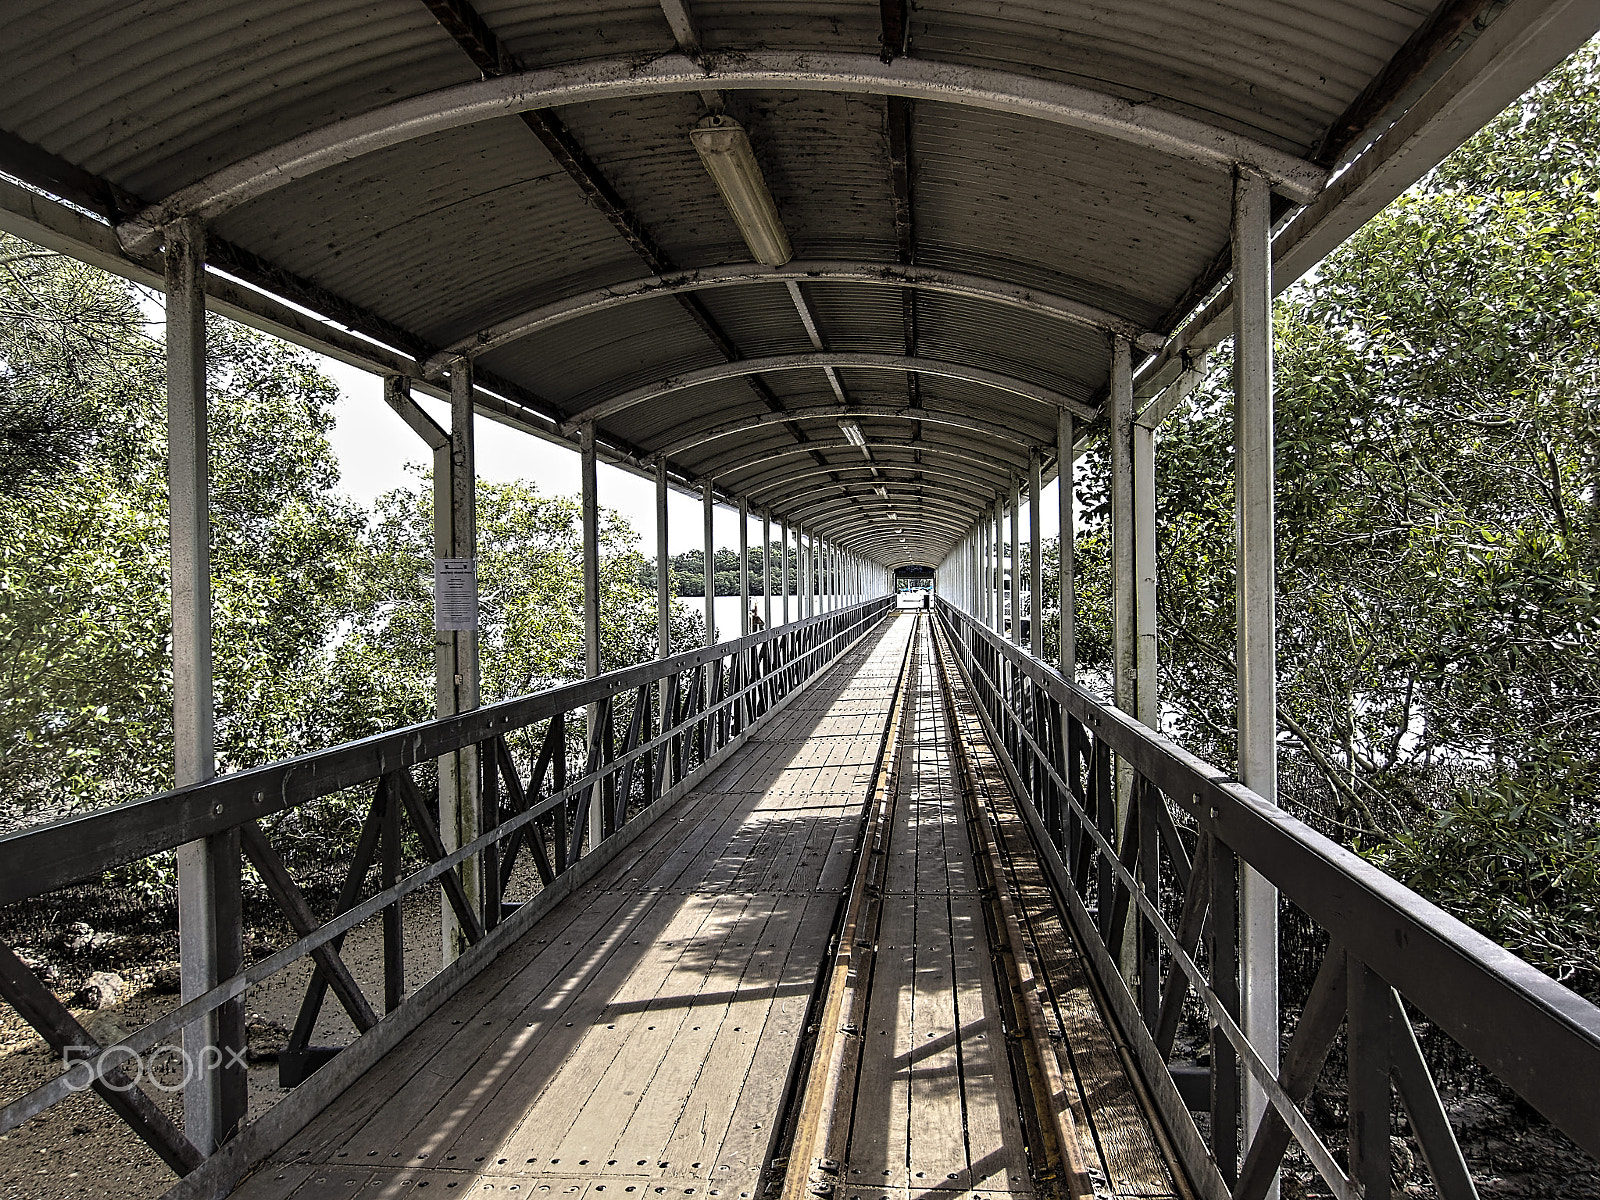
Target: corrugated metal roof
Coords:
[(449, 233)]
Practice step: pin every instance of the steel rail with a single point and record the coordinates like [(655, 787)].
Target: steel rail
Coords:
[(1471, 988), (884, 274), (1064, 1152), (992, 430), (1095, 112), (822, 360)]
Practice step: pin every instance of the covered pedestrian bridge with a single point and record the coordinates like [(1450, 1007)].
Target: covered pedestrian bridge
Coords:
[(865, 902)]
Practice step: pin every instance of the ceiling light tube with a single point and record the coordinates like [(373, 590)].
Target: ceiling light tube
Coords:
[(724, 147), (852, 434)]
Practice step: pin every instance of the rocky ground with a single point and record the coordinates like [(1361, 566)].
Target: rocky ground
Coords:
[(118, 982)]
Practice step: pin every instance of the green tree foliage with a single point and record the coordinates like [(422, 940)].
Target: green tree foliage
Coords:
[(530, 569), (85, 631), (688, 572), (1438, 454)]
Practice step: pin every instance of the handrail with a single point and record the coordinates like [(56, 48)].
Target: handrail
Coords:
[(1060, 746), (709, 700), (45, 857)]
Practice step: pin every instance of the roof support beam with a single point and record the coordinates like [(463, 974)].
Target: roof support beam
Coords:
[(988, 429), (1506, 59), (926, 530), (470, 32), (907, 500), (773, 483), (992, 456), (932, 279), (464, 104), (978, 376)]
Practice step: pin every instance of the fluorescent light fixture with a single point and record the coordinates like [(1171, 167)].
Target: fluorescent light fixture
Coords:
[(724, 147), (852, 434)]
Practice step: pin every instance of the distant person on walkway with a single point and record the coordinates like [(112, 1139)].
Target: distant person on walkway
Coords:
[(927, 599), (756, 623)]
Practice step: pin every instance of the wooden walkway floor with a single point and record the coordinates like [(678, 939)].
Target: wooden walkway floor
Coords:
[(637, 1042), (638, 1039), (935, 1110)]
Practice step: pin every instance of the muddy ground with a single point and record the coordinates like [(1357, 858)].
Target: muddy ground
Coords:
[(80, 1148)]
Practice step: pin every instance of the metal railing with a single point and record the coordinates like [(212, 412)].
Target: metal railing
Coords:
[(652, 732), (1151, 888)]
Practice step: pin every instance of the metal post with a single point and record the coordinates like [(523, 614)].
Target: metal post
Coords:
[(808, 572), (209, 919), (459, 818), (710, 572), (783, 563), (663, 568), (1144, 556), (983, 568), (1257, 664), (1122, 539), (1016, 560), (1036, 555), (589, 499), (1000, 567), (744, 566), (1125, 681), (766, 568), (1066, 548)]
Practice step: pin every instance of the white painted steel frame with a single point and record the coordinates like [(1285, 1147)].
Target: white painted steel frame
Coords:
[(1145, 125), (1257, 622), (211, 1097), (818, 360), (929, 279)]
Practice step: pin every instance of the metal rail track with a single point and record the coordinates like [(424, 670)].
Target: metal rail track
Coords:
[(819, 1109)]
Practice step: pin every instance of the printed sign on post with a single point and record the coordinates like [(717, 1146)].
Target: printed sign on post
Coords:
[(455, 594)]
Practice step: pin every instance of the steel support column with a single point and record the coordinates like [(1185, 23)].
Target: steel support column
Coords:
[(1000, 567), (1122, 588), (663, 568), (808, 572), (766, 567), (1144, 559), (744, 566), (1122, 536), (783, 563), (1036, 556), (1257, 634), (209, 926), (708, 510), (589, 499), (455, 530), (1016, 560), (1066, 548)]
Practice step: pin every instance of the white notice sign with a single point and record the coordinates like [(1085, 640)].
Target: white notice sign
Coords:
[(455, 594)]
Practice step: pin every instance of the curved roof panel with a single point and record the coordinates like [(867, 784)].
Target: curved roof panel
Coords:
[(1085, 192)]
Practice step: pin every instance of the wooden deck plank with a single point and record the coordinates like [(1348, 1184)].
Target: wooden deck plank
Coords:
[(580, 1116), (879, 1144), (666, 935), (726, 1119), (997, 1159)]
